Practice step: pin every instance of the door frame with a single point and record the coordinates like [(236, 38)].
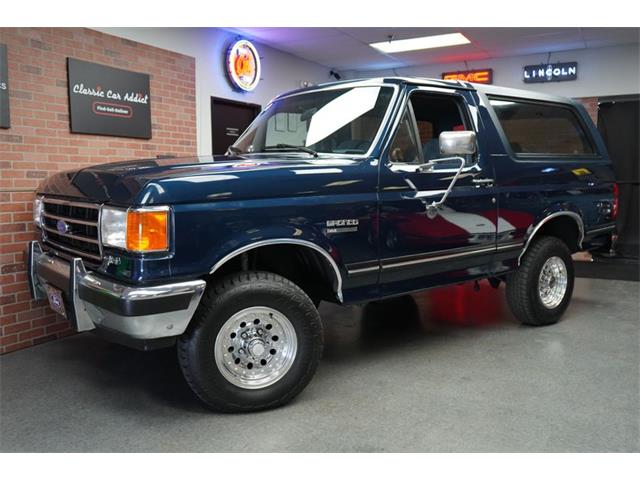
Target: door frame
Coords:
[(236, 103), (619, 98), (625, 227), (446, 262)]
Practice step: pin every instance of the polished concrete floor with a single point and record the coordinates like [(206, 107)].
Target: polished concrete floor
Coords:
[(425, 373)]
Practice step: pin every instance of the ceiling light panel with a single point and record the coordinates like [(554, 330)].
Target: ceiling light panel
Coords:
[(421, 43)]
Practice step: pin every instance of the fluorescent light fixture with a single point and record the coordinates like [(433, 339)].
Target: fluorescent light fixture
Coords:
[(501, 103), (421, 43)]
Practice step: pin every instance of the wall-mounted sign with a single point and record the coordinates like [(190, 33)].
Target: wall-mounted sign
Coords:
[(553, 72), (243, 65), (5, 118), (484, 75), (108, 101)]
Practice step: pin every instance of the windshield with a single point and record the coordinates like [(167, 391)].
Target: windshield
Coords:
[(343, 121)]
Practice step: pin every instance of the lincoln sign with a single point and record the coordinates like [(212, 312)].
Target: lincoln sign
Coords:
[(108, 101), (556, 72)]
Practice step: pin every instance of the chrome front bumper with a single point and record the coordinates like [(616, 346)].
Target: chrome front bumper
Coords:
[(92, 301)]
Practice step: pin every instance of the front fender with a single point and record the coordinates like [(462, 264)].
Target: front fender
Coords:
[(306, 236), (274, 233)]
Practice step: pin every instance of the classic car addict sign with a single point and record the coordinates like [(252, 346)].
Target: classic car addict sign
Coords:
[(553, 72), (108, 101), (5, 119), (484, 75)]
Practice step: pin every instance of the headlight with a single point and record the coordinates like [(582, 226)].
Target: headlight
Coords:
[(38, 209), (113, 227), (140, 230)]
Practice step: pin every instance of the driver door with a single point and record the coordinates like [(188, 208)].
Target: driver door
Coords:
[(418, 248)]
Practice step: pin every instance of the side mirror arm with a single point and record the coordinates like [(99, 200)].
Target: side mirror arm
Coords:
[(432, 208)]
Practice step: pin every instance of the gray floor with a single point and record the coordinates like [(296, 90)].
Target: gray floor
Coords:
[(423, 373)]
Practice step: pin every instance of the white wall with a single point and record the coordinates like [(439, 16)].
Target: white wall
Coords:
[(601, 71), (280, 71)]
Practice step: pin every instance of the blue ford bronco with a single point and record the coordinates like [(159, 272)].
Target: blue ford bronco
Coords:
[(347, 192)]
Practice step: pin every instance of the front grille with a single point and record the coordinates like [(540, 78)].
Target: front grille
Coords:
[(72, 228)]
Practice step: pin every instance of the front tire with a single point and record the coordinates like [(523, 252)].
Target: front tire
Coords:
[(254, 343), (539, 292)]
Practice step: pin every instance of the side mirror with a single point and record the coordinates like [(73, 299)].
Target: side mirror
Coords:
[(457, 143)]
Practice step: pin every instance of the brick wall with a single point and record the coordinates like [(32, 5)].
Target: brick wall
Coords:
[(591, 104), (39, 143)]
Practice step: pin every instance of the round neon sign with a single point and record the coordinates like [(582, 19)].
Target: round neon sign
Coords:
[(243, 65)]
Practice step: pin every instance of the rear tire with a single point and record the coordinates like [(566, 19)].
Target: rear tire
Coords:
[(539, 292), (254, 343)]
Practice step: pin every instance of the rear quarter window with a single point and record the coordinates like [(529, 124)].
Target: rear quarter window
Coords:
[(534, 128)]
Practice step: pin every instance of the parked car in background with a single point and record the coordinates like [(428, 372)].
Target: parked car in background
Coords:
[(347, 193)]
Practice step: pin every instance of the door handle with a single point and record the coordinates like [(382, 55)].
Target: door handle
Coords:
[(483, 182)]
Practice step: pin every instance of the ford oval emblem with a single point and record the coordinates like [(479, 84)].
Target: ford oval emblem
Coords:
[(62, 226)]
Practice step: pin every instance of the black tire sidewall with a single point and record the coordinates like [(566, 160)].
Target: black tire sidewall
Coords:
[(292, 303), (551, 247)]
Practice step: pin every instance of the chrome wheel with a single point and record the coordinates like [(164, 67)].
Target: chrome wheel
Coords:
[(256, 347), (552, 282)]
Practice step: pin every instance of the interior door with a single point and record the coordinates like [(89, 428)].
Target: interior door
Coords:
[(619, 123), (418, 248), (228, 120)]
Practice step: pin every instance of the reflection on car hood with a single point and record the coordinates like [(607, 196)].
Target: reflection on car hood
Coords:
[(193, 179)]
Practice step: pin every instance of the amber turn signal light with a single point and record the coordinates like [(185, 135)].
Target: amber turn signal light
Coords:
[(147, 231)]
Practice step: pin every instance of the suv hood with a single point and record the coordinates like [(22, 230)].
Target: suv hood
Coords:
[(201, 179)]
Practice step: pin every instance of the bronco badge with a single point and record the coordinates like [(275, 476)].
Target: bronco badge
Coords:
[(343, 225)]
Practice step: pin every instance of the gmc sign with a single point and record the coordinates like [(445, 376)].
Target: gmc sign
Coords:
[(484, 75)]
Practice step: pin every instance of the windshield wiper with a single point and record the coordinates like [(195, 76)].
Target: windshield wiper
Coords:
[(286, 146)]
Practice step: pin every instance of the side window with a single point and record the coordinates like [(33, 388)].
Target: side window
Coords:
[(541, 128), (404, 148), (435, 114)]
